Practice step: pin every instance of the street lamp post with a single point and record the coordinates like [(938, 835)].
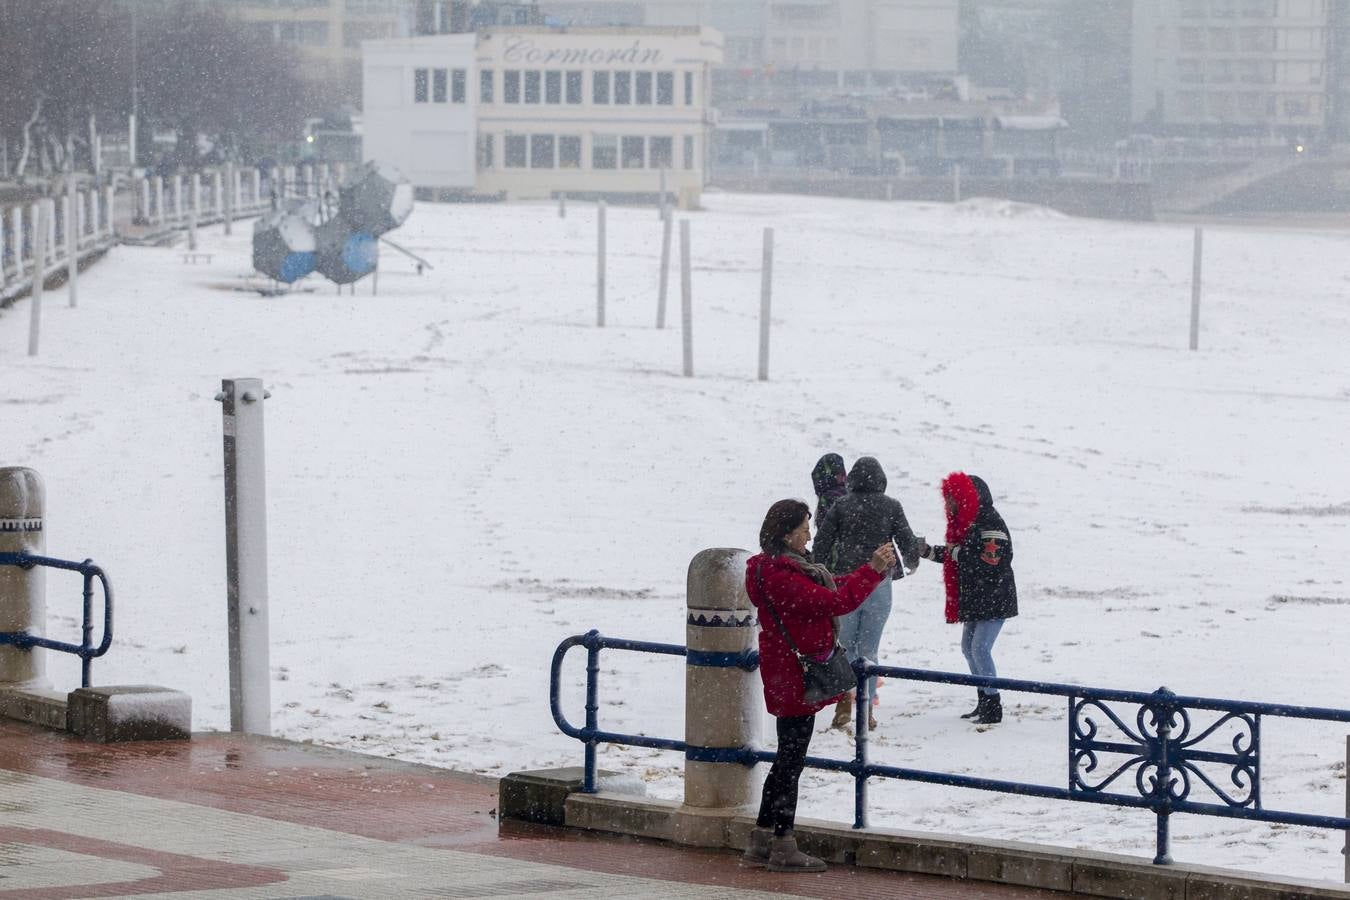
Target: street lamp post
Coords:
[(135, 99)]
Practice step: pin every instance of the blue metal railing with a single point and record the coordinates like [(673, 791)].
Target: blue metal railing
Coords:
[(1161, 748), (85, 649)]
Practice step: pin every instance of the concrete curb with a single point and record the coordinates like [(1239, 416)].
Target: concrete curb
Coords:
[(1002, 862)]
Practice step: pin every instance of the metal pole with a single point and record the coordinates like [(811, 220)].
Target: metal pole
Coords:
[(23, 596), (1197, 254), (862, 704), (192, 229), (135, 94), (686, 301), (1346, 851), (246, 555), (661, 291), (39, 274), (592, 710), (228, 196), (72, 242), (765, 301), (600, 266)]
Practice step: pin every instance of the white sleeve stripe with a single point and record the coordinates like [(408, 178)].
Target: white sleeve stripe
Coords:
[(996, 535), (954, 551)]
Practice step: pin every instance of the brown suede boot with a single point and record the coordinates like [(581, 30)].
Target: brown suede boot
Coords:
[(785, 857), (843, 712), (757, 850)]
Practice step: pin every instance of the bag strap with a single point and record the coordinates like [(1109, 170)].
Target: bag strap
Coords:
[(759, 578)]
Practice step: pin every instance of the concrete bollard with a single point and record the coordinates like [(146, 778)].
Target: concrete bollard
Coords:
[(724, 707), (23, 598)]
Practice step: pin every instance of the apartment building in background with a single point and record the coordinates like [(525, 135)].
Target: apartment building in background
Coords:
[(1227, 68)]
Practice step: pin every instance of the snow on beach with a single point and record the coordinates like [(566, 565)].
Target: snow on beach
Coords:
[(464, 470)]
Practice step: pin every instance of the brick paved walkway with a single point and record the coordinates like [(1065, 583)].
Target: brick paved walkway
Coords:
[(240, 817)]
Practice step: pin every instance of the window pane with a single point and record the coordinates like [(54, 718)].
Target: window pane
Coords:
[(419, 85), (689, 152), (552, 86), (573, 87), (643, 88), (665, 88), (600, 87), (486, 154), (663, 152), (541, 151), (688, 88), (623, 87), (604, 151), (485, 87), (633, 152), (511, 86), (569, 152), (532, 80), (516, 148), (457, 77), (437, 85)]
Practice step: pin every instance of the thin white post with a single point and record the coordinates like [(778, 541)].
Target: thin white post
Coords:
[(600, 265), (192, 229), (177, 199), (195, 197), (40, 222), (255, 177), (765, 302), (108, 198), (666, 222), (1197, 254), (158, 186), (228, 197), (144, 193), (216, 194), (956, 182), (686, 301), (72, 243), (16, 222), (246, 555)]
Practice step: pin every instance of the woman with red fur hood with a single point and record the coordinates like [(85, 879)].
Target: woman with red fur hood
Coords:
[(977, 573)]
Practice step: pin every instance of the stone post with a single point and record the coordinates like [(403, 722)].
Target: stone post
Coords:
[(23, 599), (724, 705)]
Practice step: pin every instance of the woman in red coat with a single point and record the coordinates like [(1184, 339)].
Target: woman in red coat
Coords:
[(806, 598)]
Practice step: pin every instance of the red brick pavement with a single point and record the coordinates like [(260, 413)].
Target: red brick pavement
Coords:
[(391, 801)]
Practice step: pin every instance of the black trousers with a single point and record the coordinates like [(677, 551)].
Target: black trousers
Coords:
[(778, 806)]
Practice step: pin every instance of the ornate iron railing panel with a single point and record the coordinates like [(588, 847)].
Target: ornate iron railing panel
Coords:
[(1163, 747)]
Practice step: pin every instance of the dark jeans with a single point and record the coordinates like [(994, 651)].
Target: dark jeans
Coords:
[(778, 807)]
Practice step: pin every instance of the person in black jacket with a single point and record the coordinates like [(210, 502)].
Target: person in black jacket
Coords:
[(849, 532), (829, 478), (978, 576)]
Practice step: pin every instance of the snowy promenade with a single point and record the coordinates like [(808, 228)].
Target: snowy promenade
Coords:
[(463, 471)]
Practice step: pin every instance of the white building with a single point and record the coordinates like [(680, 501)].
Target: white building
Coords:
[(1231, 65), (594, 110), (421, 101)]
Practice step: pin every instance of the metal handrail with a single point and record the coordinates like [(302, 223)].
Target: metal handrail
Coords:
[(85, 649), (1161, 749)]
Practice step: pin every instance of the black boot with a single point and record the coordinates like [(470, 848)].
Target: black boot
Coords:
[(979, 707), (993, 711)]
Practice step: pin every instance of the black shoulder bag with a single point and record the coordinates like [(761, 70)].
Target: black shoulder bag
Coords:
[(821, 681)]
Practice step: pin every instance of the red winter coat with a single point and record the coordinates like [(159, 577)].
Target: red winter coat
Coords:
[(806, 609)]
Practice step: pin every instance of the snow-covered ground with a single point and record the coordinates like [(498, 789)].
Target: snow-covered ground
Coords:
[(463, 470)]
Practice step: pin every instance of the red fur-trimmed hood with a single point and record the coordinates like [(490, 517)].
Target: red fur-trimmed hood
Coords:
[(964, 490)]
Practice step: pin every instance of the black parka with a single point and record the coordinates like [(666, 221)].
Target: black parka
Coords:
[(862, 520)]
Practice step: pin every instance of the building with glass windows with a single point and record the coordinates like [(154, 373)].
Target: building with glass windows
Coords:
[(533, 112)]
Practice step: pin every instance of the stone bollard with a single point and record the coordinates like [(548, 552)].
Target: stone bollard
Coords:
[(724, 706), (23, 598)]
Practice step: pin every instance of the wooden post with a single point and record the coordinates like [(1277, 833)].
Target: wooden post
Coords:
[(600, 265), (686, 301), (1197, 254), (765, 302), (40, 223), (72, 241), (666, 223)]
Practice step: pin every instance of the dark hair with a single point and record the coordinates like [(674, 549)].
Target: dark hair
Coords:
[(781, 519)]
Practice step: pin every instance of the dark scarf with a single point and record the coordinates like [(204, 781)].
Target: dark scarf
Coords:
[(816, 572)]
